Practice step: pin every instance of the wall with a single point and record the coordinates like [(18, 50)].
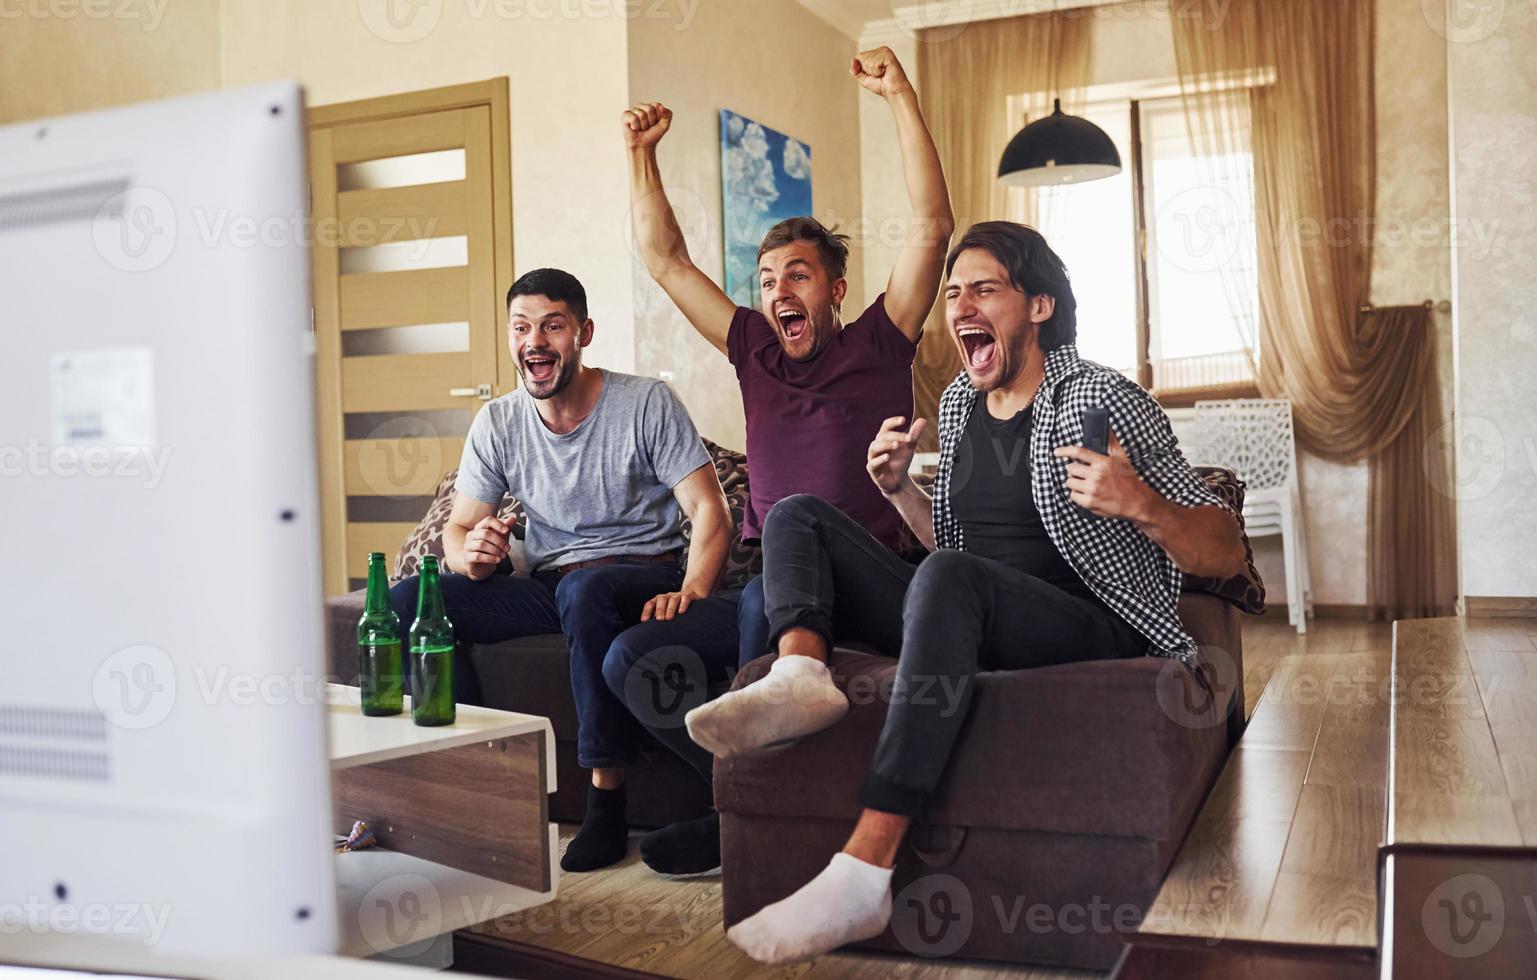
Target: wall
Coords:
[(1133, 45), (573, 68), (568, 192), (793, 78), (1493, 107), (884, 191), (53, 63)]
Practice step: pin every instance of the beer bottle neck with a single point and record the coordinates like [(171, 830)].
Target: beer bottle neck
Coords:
[(429, 598), (378, 588)]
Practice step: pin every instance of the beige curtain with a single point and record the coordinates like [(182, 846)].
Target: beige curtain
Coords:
[(1411, 526), (1311, 135), (979, 87), (1361, 385)]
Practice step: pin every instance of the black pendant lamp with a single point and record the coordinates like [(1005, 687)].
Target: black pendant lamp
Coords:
[(1058, 149)]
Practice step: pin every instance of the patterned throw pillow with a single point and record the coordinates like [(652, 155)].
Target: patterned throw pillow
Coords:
[(427, 539), (743, 561), (1246, 590)]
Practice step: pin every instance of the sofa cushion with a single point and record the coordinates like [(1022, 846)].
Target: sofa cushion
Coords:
[(531, 675), (1098, 747), (342, 615)]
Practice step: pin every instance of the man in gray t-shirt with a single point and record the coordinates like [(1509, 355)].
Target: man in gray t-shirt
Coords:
[(604, 488), (604, 464)]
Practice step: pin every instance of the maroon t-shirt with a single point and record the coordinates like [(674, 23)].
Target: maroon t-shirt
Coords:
[(810, 423)]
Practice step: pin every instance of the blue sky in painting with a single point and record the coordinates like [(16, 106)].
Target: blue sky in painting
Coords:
[(765, 178)]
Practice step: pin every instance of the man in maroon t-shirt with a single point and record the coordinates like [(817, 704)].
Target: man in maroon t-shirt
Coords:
[(815, 391)]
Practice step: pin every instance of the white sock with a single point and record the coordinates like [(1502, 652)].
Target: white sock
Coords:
[(796, 697), (849, 901)]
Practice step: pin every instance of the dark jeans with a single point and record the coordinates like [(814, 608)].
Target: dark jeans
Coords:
[(961, 614), (662, 671), (591, 606)]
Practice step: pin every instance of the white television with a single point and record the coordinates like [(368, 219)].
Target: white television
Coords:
[(163, 762)]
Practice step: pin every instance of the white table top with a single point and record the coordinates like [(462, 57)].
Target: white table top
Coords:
[(358, 740), (94, 955)]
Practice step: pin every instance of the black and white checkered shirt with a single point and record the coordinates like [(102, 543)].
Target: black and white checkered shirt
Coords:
[(1122, 566)]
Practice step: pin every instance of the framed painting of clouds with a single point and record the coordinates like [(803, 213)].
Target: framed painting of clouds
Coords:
[(765, 178)]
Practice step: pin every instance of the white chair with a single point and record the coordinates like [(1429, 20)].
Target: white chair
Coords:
[(1253, 437)]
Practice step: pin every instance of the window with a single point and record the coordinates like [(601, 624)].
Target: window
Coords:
[(1091, 226), (1175, 313)]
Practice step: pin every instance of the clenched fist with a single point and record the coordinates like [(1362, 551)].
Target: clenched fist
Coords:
[(879, 71), (645, 124), (485, 546), (1106, 486)]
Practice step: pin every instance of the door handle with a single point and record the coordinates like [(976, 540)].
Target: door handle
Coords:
[(483, 392)]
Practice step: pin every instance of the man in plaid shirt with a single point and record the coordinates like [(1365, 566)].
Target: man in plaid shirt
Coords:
[(1043, 552)]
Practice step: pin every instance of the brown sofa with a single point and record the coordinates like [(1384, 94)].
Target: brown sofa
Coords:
[(1066, 799), (1120, 809)]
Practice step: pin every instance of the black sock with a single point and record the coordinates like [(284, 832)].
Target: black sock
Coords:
[(685, 848), (604, 836)]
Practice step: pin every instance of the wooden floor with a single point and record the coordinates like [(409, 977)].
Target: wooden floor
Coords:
[(1462, 798), (1351, 743), (1284, 851), (1465, 747), (629, 916), (1296, 836)]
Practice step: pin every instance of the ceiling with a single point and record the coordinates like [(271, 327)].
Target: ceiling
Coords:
[(882, 19)]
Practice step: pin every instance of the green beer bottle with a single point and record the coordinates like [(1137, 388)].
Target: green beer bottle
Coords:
[(379, 664), (432, 653)]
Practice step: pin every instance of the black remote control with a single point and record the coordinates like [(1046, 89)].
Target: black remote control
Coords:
[(1096, 430)]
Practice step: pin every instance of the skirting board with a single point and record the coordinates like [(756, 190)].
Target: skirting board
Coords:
[(1500, 606), (1321, 610)]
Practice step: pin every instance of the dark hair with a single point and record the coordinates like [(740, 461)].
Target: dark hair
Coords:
[(1033, 268), (831, 246), (557, 285)]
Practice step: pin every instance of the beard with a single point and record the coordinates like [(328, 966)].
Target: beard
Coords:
[(1009, 354), (819, 327), (565, 370)]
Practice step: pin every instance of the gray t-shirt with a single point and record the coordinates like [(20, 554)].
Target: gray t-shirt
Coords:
[(605, 488)]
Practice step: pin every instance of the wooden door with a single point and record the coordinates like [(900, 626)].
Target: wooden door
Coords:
[(412, 254)]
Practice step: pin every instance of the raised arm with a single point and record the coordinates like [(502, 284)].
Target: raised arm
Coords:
[(658, 236), (915, 277)]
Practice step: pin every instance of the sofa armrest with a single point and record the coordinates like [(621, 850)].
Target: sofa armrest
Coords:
[(1103, 746), (342, 615)]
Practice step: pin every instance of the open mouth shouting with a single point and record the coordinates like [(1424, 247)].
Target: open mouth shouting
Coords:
[(979, 347), (540, 367), (793, 323)]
